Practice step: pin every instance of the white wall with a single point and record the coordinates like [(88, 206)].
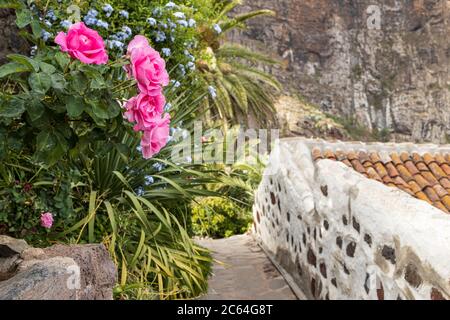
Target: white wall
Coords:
[(342, 236)]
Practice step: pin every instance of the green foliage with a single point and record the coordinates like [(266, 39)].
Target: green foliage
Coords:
[(233, 72), (219, 217)]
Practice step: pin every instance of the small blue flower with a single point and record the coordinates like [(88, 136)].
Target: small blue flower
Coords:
[(217, 29), (51, 15), (151, 21), (149, 180), (124, 14), (156, 12), (192, 23), (166, 52), (92, 13), (139, 148), (160, 36), (179, 15), (102, 24), (172, 25), (163, 25), (108, 9), (65, 24), (47, 23), (175, 83), (167, 107), (113, 44), (183, 23), (45, 35), (182, 69), (90, 20), (212, 92), (127, 30), (171, 5), (158, 166), (140, 191), (190, 65)]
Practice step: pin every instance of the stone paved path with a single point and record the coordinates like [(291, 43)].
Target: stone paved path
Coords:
[(244, 272)]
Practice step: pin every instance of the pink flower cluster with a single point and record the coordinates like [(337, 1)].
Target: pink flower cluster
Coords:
[(146, 109), (46, 220)]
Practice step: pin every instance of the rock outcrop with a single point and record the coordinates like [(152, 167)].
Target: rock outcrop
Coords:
[(385, 63), (10, 40), (60, 272)]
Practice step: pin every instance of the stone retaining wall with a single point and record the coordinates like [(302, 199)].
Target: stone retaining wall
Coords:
[(343, 236)]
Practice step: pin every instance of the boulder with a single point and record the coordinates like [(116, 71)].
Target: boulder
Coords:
[(60, 272)]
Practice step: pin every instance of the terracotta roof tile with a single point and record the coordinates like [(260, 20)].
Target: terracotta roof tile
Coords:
[(426, 177)]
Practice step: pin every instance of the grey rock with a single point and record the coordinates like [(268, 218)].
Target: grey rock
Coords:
[(389, 76), (10, 246), (60, 272)]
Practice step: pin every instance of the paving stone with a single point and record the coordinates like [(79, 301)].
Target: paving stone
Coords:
[(244, 272)]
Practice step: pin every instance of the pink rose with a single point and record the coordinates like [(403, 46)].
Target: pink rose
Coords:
[(83, 44), (148, 68), (143, 108), (137, 42), (155, 137), (46, 220)]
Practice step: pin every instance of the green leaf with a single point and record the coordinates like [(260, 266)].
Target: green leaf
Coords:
[(40, 82), (62, 59), (25, 61), (13, 67), (47, 68), (24, 18), (100, 109), (58, 81), (75, 106), (79, 82), (12, 108), (36, 28), (35, 109), (50, 147)]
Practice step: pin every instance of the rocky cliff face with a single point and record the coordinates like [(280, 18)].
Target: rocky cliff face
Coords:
[(383, 62)]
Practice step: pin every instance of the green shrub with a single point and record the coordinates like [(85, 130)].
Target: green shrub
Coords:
[(219, 217)]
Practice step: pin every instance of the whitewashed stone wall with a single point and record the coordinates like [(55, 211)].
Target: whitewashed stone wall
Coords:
[(342, 236)]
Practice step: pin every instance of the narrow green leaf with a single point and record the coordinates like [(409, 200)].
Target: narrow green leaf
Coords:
[(13, 67)]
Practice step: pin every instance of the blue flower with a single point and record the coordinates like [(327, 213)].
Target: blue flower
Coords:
[(166, 52), (182, 69), (140, 191), (160, 36), (47, 23), (175, 83), (171, 5), (168, 106), (156, 12), (192, 23), (212, 92), (115, 44), (51, 15), (183, 23), (102, 24), (45, 35), (172, 25), (158, 166), (151, 21), (90, 20), (124, 14), (190, 65), (148, 180), (217, 29), (92, 13), (108, 9), (179, 15), (65, 24), (163, 25), (127, 30)]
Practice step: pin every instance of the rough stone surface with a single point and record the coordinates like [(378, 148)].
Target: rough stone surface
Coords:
[(390, 75), (60, 272), (243, 272), (10, 40), (398, 249)]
